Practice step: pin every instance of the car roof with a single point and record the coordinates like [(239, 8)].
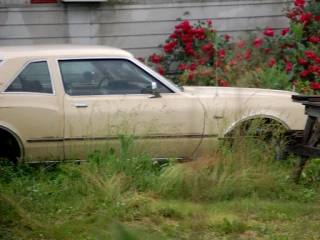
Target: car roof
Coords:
[(64, 50)]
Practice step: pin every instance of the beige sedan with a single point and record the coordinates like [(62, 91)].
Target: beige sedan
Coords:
[(60, 102)]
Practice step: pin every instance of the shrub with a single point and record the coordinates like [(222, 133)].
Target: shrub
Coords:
[(196, 55)]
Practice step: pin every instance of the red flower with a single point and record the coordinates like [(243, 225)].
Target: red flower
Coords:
[(232, 62), (221, 53), (317, 18), (302, 61), (305, 73), (315, 69), (202, 61), (161, 70), (317, 60), (169, 47), (185, 26), (314, 40), (248, 54), (188, 49), (223, 83), (199, 33), (315, 86), (238, 55), (218, 64), (299, 3), (195, 55), (285, 31), (209, 22), (257, 42), (288, 66), (174, 35), (272, 62), (183, 67), (241, 44), (140, 59), (266, 50), (207, 48), (310, 54), (156, 59), (191, 75), (187, 39), (305, 17), (193, 66), (227, 37), (211, 30), (269, 32)]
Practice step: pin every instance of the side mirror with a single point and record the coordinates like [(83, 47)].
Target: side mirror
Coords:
[(154, 86), (155, 92)]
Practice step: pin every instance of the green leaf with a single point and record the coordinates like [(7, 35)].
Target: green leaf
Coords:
[(297, 29)]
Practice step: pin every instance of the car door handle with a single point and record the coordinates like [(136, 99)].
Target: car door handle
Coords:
[(81, 105)]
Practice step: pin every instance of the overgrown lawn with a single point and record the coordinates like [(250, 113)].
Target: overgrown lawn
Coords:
[(230, 194)]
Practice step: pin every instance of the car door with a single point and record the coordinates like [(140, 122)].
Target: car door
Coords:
[(33, 111), (108, 97)]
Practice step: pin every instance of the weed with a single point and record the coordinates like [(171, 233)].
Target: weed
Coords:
[(234, 226), (241, 193)]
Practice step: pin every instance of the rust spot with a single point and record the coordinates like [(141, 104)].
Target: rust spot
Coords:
[(314, 99)]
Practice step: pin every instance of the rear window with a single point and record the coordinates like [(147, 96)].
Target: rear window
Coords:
[(35, 78)]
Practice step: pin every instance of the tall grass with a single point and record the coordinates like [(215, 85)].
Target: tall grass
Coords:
[(245, 172), (49, 200)]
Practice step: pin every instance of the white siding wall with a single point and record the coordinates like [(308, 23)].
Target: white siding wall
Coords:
[(139, 28)]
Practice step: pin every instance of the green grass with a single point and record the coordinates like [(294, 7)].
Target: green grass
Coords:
[(239, 194)]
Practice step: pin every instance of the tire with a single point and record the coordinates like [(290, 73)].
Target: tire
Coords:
[(260, 131), (9, 147)]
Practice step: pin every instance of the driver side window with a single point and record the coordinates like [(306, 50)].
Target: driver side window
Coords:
[(106, 77)]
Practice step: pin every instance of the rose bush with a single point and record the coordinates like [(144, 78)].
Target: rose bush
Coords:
[(196, 55)]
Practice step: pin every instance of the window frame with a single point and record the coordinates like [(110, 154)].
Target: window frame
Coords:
[(31, 93), (110, 58)]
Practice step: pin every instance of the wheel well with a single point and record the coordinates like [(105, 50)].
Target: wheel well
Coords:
[(254, 123), (262, 130), (9, 146)]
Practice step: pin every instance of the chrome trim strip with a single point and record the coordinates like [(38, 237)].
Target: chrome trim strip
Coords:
[(136, 62), (116, 137), (32, 93), (114, 95), (45, 139), (79, 161)]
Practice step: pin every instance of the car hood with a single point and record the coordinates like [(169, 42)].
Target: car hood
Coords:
[(234, 92)]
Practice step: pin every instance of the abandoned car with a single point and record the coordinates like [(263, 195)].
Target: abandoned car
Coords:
[(60, 102)]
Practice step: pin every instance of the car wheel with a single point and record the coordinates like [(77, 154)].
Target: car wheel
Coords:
[(9, 147), (261, 131)]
